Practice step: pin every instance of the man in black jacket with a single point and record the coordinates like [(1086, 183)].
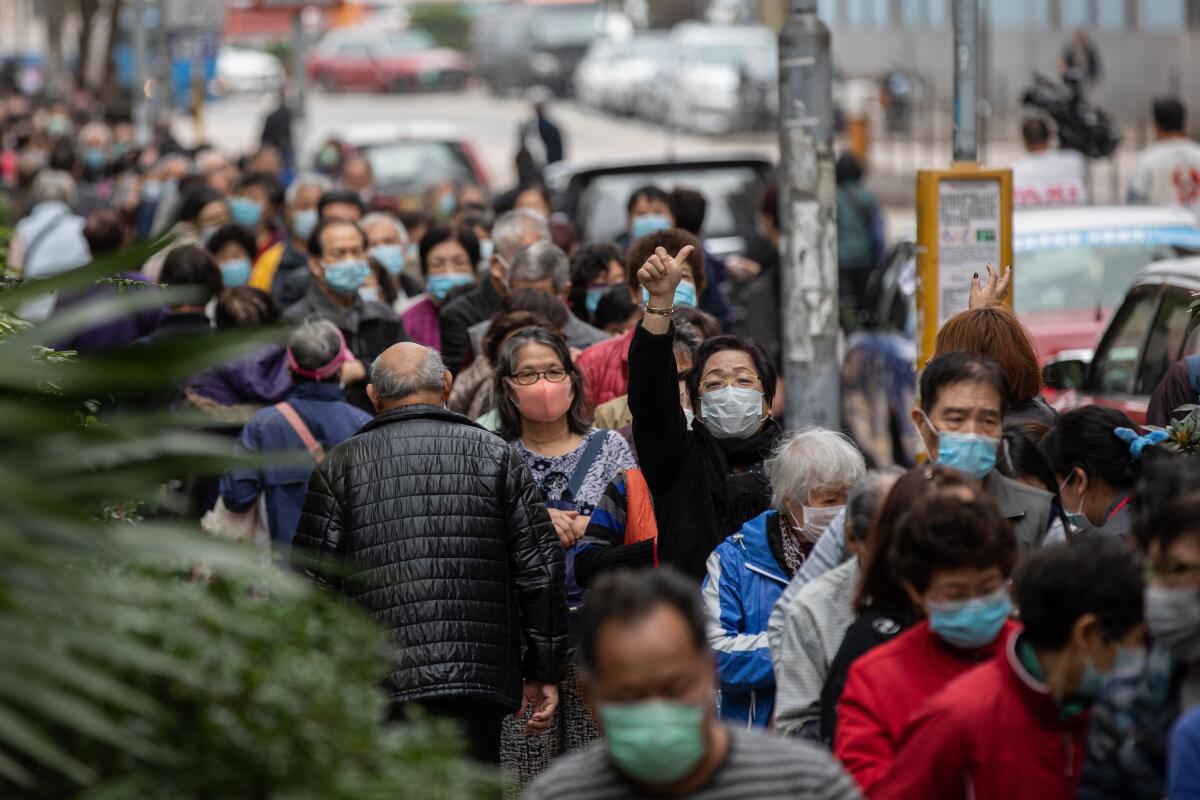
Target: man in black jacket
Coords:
[(437, 528)]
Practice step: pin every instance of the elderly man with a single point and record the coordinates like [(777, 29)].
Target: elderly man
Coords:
[(545, 268), (514, 230), (94, 171), (283, 259), (314, 417), (337, 262), (436, 527)]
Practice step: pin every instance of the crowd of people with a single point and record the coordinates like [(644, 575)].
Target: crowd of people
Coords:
[(556, 475)]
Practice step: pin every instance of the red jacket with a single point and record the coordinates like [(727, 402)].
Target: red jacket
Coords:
[(605, 369), (886, 686), (994, 733)]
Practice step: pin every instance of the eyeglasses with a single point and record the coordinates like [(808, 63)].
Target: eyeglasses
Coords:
[(555, 375), (746, 380)]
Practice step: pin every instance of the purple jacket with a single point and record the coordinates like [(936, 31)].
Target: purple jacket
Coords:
[(260, 379), (422, 324), (116, 333)]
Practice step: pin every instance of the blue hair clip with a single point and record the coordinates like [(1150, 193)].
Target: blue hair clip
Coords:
[(1139, 443)]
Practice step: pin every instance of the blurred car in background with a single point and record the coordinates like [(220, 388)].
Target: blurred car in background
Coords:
[(598, 195), (409, 158), (244, 71), (612, 74), (1072, 267), (385, 60)]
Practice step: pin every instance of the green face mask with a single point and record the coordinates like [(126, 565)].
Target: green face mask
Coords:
[(654, 741)]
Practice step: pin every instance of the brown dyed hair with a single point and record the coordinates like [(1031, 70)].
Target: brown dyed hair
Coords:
[(672, 240), (879, 584), (995, 333)]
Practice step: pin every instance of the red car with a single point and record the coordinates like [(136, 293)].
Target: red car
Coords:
[(367, 59)]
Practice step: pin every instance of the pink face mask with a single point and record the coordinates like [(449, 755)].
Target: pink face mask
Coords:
[(544, 401)]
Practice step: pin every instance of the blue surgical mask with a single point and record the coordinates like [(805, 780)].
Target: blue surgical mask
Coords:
[(347, 277), (972, 454), (151, 191), (303, 223), (245, 212), (685, 295), (94, 158), (1076, 518), (439, 286), (446, 204), (645, 224), (235, 273), (369, 294), (594, 296), (486, 248), (971, 624), (389, 256), (1128, 663)]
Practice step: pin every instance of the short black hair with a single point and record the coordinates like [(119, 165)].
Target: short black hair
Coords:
[(960, 366), (1019, 458), (323, 224), (340, 196), (650, 193), (190, 265), (245, 307), (945, 531), (441, 233), (265, 181), (689, 207), (1059, 583), (590, 262), (848, 169), (237, 234), (1168, 502), (1170, 114), (762, 364), (626, 596), (194, 202), (1035, 131), (1086, 438), (615, 306)]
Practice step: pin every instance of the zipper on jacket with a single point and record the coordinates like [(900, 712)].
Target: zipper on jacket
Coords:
[(753, 707)]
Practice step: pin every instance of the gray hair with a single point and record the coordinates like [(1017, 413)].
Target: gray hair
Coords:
[(383, 216), (865, 498), (307, 179), (539, 261), (516, 225), (810, 459), (314, 343), (53, 184), (392, 386)]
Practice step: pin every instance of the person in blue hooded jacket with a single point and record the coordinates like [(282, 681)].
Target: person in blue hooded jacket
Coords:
[(810, 473)]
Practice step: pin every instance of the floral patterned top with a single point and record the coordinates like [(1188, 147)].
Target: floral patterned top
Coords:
[(552, 473)]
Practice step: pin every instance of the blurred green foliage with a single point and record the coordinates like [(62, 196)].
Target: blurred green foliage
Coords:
[(448, 23), (1183, 435)]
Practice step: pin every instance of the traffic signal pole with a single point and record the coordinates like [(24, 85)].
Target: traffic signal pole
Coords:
[(808, 304)]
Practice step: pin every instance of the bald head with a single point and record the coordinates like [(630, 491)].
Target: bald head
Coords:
[(408, 374)]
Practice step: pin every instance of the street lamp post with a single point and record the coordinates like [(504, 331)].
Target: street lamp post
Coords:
[(809, 293)]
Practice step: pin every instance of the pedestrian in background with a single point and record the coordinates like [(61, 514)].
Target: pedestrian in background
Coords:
[(1167, 172)]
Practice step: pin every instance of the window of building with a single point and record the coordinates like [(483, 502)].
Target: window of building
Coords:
[(1075, 14), (1110, 15), (1018, 15), (920, 14), (867, 13), (1167, 16)]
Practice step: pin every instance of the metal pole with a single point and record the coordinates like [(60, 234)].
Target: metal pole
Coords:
[(300, 84), (966, 79), (164, 86), (141, 127), (809, 276)]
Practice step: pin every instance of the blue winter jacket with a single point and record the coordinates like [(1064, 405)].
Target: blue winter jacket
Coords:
[(744, 580), (331, 420)]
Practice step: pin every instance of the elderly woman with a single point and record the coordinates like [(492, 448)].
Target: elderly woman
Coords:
[(448, 259), (810, 473)]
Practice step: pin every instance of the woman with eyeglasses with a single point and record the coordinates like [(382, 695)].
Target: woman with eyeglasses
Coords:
[(708, 481), (539, 396)]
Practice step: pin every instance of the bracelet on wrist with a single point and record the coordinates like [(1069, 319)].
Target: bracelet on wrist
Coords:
[(659, 312)]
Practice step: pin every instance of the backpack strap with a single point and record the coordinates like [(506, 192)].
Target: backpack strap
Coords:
[(310, 442), (590, 453)]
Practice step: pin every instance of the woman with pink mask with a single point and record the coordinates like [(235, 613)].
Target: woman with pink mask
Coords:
[(540, 401)]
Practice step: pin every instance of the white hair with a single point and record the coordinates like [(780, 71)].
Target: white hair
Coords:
[(307, 179), (514, 226), (383, 216), (391, 385), (864, 499), (810, 459), (539, 261), (314, 343), (53, 184)]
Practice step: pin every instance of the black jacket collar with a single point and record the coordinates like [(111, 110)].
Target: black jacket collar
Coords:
[(421, 411)]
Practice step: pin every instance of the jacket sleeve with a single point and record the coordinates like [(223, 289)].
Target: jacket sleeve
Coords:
[(862, 743), (800, 671), (538, 569), (933, 759), (743, 659), (240, 486), (317, 547), (659, 427)]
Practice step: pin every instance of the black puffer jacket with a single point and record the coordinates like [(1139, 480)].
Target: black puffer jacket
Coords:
[(436, 527)]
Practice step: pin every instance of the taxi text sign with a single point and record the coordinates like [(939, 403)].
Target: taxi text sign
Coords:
[(964, 223)]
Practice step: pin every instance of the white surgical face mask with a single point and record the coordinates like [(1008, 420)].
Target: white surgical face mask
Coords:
[(816, 520), (732, 412)]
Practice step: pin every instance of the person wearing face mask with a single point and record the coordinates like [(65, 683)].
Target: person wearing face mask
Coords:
[(954, 555), (290, 254), (232, 246), (539, 398), (1017, 726), (448, 258), (595, 268), (1097, 455), (708, 481), (648, 211), (337, 253), (387, 249), (649, 677), (810, 474), (255, 205)]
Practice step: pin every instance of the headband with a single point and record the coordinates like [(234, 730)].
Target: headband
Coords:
[(329, 370), (1138, 443)]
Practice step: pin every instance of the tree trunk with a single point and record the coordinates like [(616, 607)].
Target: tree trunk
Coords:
[(110, 92), (55, 10), (87, 18)]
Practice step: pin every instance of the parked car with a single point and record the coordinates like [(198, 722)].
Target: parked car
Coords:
[(1151, 330), (385, 60), (244, 71), (1072, 266), (408, 158), (598, 195), (613, 73)]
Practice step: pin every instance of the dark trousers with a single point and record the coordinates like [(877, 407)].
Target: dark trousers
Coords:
[(479, 719)]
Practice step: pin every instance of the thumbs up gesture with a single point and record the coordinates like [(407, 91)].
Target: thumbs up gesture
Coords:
[(661, 274)]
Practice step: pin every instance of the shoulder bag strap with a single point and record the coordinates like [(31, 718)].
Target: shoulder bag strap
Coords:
[(310, 442), (41, 236), (594, 446)]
